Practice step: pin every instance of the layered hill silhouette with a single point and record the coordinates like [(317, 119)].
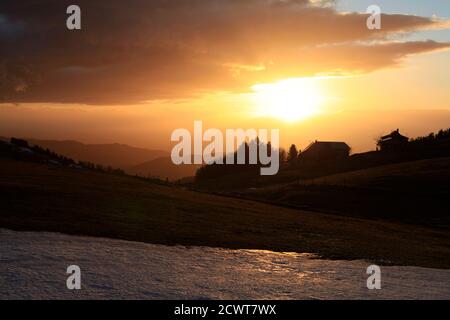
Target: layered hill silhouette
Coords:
[(116, 155), (134, 161)]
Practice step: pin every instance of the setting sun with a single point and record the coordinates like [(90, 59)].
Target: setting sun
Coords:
[(288, 100)]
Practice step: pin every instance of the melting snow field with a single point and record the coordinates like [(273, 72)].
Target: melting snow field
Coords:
[(33, 266)]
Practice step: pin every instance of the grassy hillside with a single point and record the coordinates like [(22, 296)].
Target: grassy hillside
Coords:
[(163, 168), (41, 197), (423, 175), (413, 192)]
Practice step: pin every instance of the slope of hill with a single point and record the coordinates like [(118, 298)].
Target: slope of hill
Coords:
[(413, 192), (430, 175), (35, 196), (115, 155), (163, 168)]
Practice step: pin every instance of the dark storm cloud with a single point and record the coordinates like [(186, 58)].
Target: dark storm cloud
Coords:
[(137, 50)]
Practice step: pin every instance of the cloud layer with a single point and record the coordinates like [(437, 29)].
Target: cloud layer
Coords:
[(137, 50)]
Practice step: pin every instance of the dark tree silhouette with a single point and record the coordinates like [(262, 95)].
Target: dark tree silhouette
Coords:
[(292, 154), (213, 171)]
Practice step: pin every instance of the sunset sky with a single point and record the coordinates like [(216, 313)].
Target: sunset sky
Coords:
[(140, 69)]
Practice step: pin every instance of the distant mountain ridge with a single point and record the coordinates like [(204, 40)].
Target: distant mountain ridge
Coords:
[(115, 155)]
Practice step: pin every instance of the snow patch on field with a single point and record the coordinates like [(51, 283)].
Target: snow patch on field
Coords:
[(33, 266)]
